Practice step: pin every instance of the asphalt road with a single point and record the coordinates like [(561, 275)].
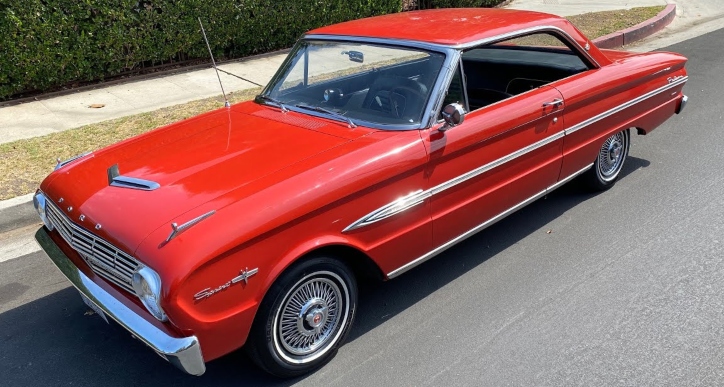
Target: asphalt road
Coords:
[(620, 288)]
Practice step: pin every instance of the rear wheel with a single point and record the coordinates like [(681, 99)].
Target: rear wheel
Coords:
[(304, 317), (609, 162)]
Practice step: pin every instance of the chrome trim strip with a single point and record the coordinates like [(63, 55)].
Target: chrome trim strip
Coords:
[(443, 47), (394, 208), (481, 226), (385, 41), (662, 70), (105, 259), (389, 209), (182, 352), (176, 229), (625, 105), (436, 97), (134, 183), (569, 178), (494, 164), (528, 31), (61, 164), (418, 197)]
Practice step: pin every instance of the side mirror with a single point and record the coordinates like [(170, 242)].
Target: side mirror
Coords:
[(453, 114)]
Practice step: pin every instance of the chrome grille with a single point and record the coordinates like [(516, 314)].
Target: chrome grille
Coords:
[(103, 258)]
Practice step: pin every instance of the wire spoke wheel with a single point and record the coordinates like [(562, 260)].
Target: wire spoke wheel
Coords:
[(611, 156), (311, 317), (609, 161)]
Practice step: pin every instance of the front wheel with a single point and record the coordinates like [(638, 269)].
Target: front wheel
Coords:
[(609, 162), (304, 317)]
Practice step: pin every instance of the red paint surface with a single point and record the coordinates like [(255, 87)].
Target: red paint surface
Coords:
[(286, 184)]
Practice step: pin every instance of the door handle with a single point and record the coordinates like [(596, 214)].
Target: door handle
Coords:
[(556, 102)]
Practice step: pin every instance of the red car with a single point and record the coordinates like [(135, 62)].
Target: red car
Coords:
[(377, 145)]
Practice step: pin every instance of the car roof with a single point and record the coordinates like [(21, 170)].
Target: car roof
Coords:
[(443, 26)]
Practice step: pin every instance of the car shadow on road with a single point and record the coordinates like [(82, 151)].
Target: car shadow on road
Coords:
[(381, 301), (53, 340)]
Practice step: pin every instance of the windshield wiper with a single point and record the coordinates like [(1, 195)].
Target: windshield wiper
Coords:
[(272, 100), (320, 109)]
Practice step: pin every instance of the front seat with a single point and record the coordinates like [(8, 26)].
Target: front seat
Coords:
[(397, 96)]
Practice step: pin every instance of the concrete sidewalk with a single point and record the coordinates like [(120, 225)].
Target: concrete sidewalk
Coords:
[(70, 111), (46, 116), (38, 118), (576, 7)]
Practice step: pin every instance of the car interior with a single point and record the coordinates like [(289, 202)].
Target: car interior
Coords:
[(499, 71), (396, 94)]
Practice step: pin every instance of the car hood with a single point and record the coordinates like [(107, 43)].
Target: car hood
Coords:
[(193, 162)]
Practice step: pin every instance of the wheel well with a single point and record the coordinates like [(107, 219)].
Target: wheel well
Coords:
[(361, 264), (640, 131)]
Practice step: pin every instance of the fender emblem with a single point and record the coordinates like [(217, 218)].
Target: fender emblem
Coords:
[(243, 276)]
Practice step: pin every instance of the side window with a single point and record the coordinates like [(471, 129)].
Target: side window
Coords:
[(498, 71), (456, 91)]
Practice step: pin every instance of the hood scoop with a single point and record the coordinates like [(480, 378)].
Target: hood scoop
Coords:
[(116, 180)]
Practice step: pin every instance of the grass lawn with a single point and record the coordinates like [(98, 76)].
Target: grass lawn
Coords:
[(24, 163)]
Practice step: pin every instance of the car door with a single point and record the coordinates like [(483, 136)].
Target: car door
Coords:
[(501, 157)]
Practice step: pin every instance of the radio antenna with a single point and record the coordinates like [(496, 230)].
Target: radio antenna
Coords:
[(226, 101)]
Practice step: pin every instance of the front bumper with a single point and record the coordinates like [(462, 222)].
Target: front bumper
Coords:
[(184, 352)]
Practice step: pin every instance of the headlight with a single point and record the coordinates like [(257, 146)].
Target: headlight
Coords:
[(147, 285), (39, 203)]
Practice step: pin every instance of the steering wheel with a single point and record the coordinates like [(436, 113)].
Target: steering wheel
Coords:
[(413, 100)]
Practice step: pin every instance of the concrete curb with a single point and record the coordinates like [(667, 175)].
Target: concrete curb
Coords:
[(19, 212), (639, 31)]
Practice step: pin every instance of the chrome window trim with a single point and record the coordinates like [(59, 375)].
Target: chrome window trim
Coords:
[(384, 41), (441, 86), (528, 31), (625, 105), (452, 58), (427, 119), (482, 226)]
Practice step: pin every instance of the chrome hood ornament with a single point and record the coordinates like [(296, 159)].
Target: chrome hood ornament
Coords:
[(176, 229), (60, 163)]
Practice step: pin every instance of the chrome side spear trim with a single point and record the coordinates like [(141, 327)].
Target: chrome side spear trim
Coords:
[(487, 223), (419, 196), (391, 209)]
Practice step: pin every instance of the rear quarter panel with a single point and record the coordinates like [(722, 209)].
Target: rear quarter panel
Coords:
[(639, 91)]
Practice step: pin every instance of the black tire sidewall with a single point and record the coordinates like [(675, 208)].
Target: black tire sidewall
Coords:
[(260, 344), (594, 178)]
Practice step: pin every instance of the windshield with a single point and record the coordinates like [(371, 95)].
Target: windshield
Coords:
[(356, 83)]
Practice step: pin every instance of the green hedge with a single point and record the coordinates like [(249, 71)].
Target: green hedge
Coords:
[(46, 43), (424, 4), (49, 43)]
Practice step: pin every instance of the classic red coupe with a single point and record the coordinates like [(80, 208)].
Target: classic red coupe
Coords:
[(377, 145)]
